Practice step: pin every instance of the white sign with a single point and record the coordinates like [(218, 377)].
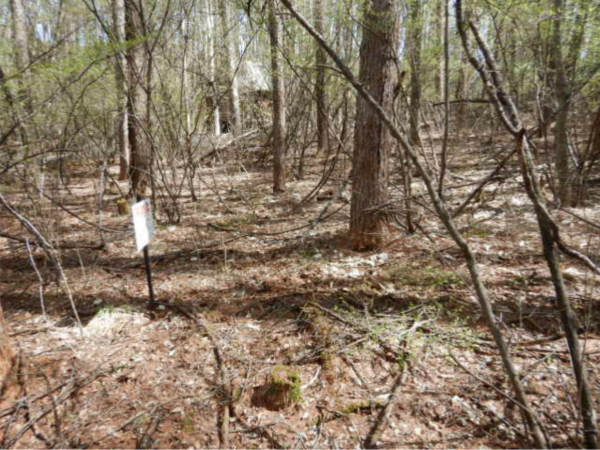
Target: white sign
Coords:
[(142, 223)]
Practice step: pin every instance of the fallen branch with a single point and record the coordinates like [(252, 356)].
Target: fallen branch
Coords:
[(391, 354), (72, 387), (384, 416), (225, 391), (18, 403), (125, 424), (21, 377), (139, 414), (146, 441), (482, 185), (466, 100), (66, 246), (532, 343), (487, 383), (224, 145), (263, 431)]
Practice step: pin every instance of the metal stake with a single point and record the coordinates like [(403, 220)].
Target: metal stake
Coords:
[(152, 304)]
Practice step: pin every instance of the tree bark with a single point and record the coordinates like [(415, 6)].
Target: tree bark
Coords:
[(416, 36), (440, 7), (576, 41), (7, 354), (230, 62), (21, 56), (137, 65), (14, 111), (461, 90), (372, 140), (184, 98), (211, 40), (562, 161), (21, 47), (278, 92), (461, 94), (593, 153), (118, 11), (320, 88), (445, 90)]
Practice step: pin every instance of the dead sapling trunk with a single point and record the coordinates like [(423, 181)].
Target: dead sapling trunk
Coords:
[(550, 243)]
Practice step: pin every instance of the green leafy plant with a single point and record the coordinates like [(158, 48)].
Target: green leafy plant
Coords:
[(426, 277), (238, 221)]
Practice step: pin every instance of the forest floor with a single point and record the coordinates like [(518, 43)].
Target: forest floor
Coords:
[(249, 281)]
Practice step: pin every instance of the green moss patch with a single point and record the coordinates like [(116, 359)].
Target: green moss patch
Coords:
[(282, 390)]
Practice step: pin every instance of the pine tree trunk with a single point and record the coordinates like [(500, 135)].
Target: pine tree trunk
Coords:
[(278, 90), (372, 140)]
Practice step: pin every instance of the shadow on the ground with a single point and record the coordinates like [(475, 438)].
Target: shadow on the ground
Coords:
[(252, 297)]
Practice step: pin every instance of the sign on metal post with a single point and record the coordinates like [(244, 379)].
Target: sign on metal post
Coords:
[(143, 224)]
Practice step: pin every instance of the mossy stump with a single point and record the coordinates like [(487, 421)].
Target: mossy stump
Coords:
[(282, 390), (123, 207)]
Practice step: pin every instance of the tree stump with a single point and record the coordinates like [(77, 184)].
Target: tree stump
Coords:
[(123, 207), (282, 390)]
